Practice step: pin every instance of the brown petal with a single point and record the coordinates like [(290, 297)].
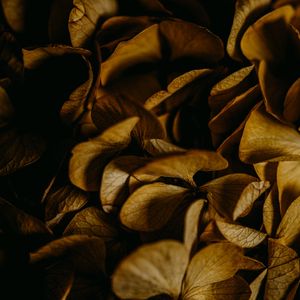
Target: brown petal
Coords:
[(229, 187), (109, 109), (60, 202), (242, 236), (14, 12), (175, 93), (114, 189), (288, 184), (36, 57), (91, 221), (233, 114), (58, 280), (90, 157), (151, 206), (266, 171), (205, 268), (191, 224), (257, 42), (271, 211), (187, 40), (183, 165), (18, 150), (75, 105), (266, 139), (86, 253), (10, 56), (6, 108), (283, 270), (211, 233), (85, 16), (249, 195), (256, 285), (165, 262), (235, 288), (245, 12), (157, 147), (249, 263), (270, 55), (229, 88), (289, 227), (291, 110), (20, 223), (143, 48)]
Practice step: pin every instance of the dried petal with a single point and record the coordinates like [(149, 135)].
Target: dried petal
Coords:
[(242, 236), (85, 16), (90, 157), (92, 222), (266, 139), (288, 173), (151, 206), (165, 262), (244, 12), (183, 165), (191, 224), (114, 189), (231, 188), (283, 270), (289, 228), (205, 268)]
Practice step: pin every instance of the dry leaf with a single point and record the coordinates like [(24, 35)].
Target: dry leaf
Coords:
[(235, 288), (144, 47), (92, 221), (222, 265), (12, 67), (58, 280), (288, 185), (87, 254), (73, 108), (17, 222), (114, 189), (62, 201), (85, 16), (231, 188), (191, 224), (151, 206), (241, 236), (249, 195), (266, 171), (119, 108), (229, 88), (245, 12), (183, 165), (14, 12), (189, 40), (271, 211), (256, 285), (157, 147), (249, 263), (291, 103), (34, 58), (289, 227), (165, 262), (233, 114), (283, 270), (270, 55), (174, 95), (266, 139), (18, 150), (6, 108), (90, 157)]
